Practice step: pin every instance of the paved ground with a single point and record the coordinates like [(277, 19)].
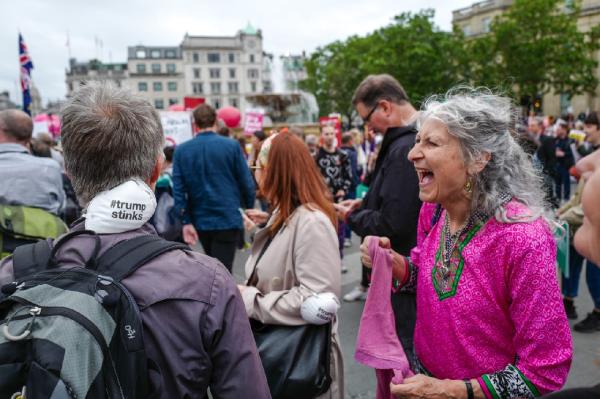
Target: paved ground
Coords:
[(360, 381)]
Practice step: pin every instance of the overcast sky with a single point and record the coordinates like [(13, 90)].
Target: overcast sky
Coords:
[(287, 27)]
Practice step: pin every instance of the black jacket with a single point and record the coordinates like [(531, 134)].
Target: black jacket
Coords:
[(391, 207)]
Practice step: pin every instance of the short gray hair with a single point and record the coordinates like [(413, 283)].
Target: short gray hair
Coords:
[(109, 136), (484, 122)]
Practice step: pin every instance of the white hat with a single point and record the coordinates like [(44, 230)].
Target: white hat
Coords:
[(320, 308)]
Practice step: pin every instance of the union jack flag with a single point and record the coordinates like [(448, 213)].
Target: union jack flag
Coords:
[(26, 67)]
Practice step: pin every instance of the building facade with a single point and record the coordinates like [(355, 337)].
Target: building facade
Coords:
[(157, 74), (79, 73), (224, 69), (476, 19)]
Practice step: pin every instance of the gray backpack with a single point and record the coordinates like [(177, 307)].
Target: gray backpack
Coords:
[(75, 332)]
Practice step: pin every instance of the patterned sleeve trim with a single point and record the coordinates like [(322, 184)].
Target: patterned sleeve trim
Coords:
[(411, 283), (507, 384)]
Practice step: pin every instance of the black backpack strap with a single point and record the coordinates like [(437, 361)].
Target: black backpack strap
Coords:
[(127, 256), (31, 258)]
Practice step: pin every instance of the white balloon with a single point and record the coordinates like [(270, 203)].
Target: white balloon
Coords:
[(320, 308)]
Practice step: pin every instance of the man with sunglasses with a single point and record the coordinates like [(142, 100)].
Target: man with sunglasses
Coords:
[(391, 206)]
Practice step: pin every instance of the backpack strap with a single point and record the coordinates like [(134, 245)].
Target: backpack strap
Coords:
[(34, 258), (31, 259), (127, 256)]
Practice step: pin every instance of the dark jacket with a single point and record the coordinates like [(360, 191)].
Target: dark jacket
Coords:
[(195, 324), (211, 180), (546, 153), (391, 207)]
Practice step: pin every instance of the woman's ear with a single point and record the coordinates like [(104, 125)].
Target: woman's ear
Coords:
[(480, 163)]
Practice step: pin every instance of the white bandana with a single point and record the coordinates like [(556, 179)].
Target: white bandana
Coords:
[(126, 207)]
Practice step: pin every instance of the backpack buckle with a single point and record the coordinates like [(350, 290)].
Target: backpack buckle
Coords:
[(33, 311)]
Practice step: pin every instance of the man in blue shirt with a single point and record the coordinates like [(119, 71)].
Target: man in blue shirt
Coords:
[(211, 181)]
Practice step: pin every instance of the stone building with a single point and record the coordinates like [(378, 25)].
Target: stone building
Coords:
[(156, 73), (79, 73), (475, 21)]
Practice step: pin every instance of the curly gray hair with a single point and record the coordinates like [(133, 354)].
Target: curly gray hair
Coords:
[(483, 123)]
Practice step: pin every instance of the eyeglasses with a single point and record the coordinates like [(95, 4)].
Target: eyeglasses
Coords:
[(368, 117)]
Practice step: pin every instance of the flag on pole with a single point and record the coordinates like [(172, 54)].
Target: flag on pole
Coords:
[(26, 67)]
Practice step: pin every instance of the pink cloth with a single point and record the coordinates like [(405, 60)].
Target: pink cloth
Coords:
[(377, 344), (507, 304)]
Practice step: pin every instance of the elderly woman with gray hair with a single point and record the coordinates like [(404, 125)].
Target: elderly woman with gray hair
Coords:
[(490, 319)]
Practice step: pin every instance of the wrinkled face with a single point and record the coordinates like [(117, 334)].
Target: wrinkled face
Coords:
[(587, 238), (328, 136), (439, 162)]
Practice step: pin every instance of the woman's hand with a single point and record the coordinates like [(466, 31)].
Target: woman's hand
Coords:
[(421, 387), (399, 262), (365, 258), (257, 216)]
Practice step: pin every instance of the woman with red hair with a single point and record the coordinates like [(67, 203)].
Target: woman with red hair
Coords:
[(295, 255)]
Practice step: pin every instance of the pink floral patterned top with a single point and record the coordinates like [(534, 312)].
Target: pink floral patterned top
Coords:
[(497, 315)]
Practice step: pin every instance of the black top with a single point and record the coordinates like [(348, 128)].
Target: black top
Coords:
[(391, 207), (576, 393)]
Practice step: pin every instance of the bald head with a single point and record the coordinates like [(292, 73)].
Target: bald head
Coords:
[(15, 126)]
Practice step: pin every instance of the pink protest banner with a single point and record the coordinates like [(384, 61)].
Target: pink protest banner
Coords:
[(253, 121)]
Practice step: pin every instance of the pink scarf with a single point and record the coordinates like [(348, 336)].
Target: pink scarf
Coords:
[(377, 344)]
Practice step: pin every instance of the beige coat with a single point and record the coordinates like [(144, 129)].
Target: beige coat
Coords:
[(303, 258)]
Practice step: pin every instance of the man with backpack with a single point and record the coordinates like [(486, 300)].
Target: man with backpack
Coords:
[(111, 309)]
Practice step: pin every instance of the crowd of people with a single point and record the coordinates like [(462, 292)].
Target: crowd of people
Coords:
[(460, 217)]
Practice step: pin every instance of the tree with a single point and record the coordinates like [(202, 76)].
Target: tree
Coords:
[(539, 48), (412, 49)]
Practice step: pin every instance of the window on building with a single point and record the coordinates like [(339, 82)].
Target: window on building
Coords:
[(140, 54), (215, 87), (215, 73), (251, 58), (142, 86), (216, 103), (118, 83), (486, 24), (231, 58), (70, 87), (233, 87), (159, 103), (171, 68), (155, 54), (467, 30), (172, 86), (214, 58), (157, 86), (155, 68), (140, 68), (233, 102), (196, 73), (253, 87), (170, 54), (196, 57), (232, 73), (197, 88), (173, 101), (253, 73)]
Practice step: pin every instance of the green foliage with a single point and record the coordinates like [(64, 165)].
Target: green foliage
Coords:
[(533, 48), (538, 45)]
